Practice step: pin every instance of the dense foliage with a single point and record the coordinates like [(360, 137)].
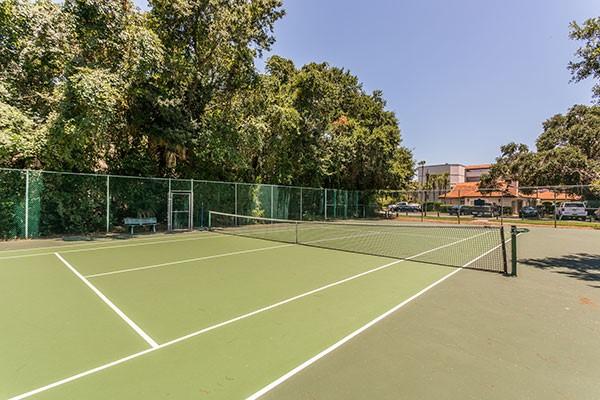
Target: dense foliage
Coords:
[(588, 56), (100, 86)]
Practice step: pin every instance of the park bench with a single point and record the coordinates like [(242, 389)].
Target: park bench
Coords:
[(131, 223)]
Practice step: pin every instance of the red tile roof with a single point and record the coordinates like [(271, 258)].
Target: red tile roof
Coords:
[(471, 189), (546, 194)]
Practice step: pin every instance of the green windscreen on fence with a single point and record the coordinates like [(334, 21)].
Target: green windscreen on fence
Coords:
[(12, 203), (43, 203)]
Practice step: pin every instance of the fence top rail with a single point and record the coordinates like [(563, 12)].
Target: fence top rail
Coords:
[(175, 179)]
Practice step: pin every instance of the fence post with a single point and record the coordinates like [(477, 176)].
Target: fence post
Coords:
[(325, 205), (502, 209), (107, 203), (192, 205), (272, 188), (26, 204), (554, 211), (301, 211), (235, 198)]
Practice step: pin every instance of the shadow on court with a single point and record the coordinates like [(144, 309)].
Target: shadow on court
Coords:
[(582, 266)]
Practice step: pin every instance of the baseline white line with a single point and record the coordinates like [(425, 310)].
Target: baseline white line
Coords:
[(357, 332), (105, 299), (189, 260), (145, 243), (225, 323)]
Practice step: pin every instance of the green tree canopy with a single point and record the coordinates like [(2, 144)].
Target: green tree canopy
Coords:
[(98, 85), (587, 63)]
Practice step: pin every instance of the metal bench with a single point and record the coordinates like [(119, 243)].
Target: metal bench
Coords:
[(133, 222)]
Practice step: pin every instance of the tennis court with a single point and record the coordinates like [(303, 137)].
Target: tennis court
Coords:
[(219, 314)]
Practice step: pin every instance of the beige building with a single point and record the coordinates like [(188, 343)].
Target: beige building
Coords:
[(457, 173)]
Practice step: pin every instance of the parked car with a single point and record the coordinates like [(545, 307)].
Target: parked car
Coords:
[(572, 210), (529, 212), (483, 211), (396, 207), (414, 207), (460, 210), (407, 207)]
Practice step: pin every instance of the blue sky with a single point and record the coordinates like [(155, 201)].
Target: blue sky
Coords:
[(463, 77)]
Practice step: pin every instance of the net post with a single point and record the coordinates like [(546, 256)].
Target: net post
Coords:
[(504, 261), (513, 242), (26, 204), (107, 203), (210, 220)]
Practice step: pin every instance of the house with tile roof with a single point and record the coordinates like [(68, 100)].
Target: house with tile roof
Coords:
[(505, 195)]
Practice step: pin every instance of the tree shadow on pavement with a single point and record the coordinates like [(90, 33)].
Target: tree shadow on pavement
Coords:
[(582, 266)]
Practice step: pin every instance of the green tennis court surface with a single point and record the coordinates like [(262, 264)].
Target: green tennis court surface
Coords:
[(210, 315)]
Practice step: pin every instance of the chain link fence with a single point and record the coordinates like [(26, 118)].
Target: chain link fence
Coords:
[(44, 203), (575, 205)]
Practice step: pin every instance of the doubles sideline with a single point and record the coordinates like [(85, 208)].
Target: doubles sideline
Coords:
[(236, 319)]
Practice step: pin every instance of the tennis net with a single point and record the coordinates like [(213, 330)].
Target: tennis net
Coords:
[(474, 247)]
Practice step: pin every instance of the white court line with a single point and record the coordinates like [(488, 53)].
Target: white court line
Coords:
[(189, 260), (145, 243), (357, 332), (105, 299), (336, 345), (213, 327)]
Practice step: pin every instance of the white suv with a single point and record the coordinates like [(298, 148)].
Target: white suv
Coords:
[(572, 210)]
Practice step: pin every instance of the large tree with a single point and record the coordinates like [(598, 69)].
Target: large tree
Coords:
[(98, 85), (587, 63)]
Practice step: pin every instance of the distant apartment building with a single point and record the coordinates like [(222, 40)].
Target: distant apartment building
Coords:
[(457, 173)]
